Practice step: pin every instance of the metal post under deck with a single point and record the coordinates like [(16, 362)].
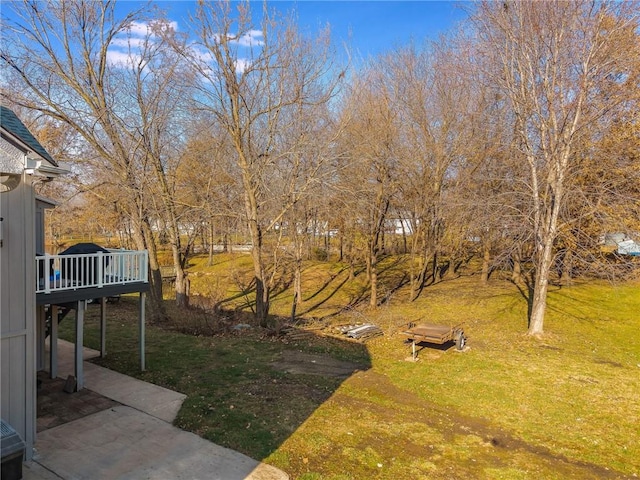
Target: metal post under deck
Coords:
[(80, 306), (103, 327), (53, 343), (141, 319)]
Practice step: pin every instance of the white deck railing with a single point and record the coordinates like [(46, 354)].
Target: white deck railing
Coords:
[(90, 270)]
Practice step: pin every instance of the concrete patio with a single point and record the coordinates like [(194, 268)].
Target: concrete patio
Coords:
[(133, 440)]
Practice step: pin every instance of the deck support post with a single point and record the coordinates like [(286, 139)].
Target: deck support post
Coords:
[(142, 320), (80, 306), (53, 343), (103, 327), (413, 350)]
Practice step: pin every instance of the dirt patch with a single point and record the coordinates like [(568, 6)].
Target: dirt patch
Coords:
[(292, 361), (273, 392)]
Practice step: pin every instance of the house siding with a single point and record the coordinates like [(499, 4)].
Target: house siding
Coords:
[(40, 247), (17, 311)]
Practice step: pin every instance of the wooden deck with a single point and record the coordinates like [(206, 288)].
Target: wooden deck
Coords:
[(67, 281), (70, 278)]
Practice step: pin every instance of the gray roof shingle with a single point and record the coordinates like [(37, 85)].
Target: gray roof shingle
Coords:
[(11, 123)]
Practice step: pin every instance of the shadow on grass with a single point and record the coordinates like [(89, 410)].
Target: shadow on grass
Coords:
[(428, 346), (326, 284), (247, 389), (334, 290)]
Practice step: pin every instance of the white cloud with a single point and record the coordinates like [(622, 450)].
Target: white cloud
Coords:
[(201, 54), (242, 65), (251, 39), (121, 59), (170, 26), (142, 29), (139, 29), (207, 61), (122, 48), (126, 42)]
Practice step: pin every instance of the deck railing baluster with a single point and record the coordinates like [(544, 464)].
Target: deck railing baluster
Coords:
[(71, 272)]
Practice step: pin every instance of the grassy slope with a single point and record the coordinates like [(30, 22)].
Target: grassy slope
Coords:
[(564, 406)]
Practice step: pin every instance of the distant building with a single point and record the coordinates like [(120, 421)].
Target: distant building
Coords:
[(623, 243), (613, 239), (629, 247)]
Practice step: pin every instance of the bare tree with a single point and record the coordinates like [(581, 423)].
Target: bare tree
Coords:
[(160, 123), (437, 110), (603, 199), (210, 183), (552, 61), (369, 176), (314, 135), (256, 83), (81, 64)]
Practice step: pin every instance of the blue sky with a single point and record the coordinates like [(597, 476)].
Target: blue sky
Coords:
[(372, 27), (368, 27)]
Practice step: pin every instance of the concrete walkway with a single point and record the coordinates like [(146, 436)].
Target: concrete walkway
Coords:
[(135, 440)]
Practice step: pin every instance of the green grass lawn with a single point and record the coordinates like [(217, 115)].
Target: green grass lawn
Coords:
[(565, 406)]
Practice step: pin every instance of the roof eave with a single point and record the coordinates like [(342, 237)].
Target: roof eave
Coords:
[(44, 168)]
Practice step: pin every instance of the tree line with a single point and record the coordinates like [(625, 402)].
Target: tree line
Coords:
[(515, 137)]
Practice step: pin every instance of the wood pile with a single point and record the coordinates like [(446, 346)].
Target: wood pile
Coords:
[(294, 333), (360, 332)]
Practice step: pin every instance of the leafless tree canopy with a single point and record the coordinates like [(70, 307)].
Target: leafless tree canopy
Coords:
[(514, 139)]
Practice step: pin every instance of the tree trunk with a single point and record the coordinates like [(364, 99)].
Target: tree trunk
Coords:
[(516, 274), (262, 289), (538, 306), (294, 306), (144, 241), (297, 271), (182, 296), (404, 238), (413, 260), (297, 282), (486, 259), (413, 287), (567, 260), (262, 302), (540, 288), (327, 244), (422, 274), (373, 278), (211, 242), (182, 289), (434, 267), (157, 311)]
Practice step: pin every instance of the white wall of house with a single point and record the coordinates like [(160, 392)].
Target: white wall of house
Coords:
[(17, 311)]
